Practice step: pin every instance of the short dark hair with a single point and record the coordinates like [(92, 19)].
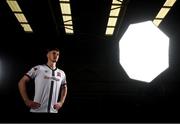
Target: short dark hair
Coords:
[(53, 48)]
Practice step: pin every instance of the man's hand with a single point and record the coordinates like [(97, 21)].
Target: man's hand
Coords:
[(32, 104), (58, 105)]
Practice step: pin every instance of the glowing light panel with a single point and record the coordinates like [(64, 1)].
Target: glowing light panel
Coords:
[(144, 51)]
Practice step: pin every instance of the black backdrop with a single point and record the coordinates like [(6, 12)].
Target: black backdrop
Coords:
[(98, 88)]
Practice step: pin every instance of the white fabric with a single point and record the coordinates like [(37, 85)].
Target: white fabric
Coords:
[(42, 75)]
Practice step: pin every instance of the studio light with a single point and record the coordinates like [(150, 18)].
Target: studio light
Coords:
[(144, 51)]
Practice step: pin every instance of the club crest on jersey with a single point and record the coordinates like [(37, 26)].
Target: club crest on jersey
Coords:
[(59, 74), (46, 71)]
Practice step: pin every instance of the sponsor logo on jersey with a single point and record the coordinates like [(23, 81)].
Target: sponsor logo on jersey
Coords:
[(53, 78), (46, 77)]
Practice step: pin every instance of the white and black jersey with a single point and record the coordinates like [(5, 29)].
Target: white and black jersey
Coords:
[(47, 86)]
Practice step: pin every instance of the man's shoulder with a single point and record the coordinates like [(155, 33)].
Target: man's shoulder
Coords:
[(60, 70), (37, 67)]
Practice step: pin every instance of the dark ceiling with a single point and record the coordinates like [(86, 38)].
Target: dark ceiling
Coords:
[(97, 83), (89, 18)]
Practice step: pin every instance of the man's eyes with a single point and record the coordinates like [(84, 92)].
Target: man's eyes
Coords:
[(56, 54)]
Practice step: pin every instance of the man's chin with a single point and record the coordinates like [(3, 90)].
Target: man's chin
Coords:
[(54, 61)]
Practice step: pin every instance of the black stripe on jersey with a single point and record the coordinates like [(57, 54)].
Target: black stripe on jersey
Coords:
[(50, 96), (53, 72), (51, 93)]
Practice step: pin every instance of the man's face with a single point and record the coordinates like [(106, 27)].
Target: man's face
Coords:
[(53, 56)]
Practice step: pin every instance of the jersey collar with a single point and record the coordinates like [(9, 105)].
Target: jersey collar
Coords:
[(51, 68)]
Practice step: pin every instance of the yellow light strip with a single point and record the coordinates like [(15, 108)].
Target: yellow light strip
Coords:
[(157, 22), (113, 16), (114, 10), (67, 20), (66, 15), (109, 31), (13, 4), (169, 3), (117, 1), (65, 8), (112, 21), (27, 27), (163, 12), (21, 17)]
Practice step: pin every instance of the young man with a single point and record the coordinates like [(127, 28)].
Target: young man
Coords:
[(50, 85)]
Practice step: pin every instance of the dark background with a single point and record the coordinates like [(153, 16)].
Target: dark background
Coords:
[(98, 88)]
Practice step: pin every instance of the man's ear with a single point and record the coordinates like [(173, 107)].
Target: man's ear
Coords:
[(47, 54)]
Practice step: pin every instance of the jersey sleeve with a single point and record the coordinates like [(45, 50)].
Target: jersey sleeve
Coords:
[(32, 73), (64, 82)]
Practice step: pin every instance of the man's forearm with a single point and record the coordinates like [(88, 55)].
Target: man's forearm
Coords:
[(63, 94), (22, 88)]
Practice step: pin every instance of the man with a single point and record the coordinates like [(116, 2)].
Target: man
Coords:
[(50, 85)]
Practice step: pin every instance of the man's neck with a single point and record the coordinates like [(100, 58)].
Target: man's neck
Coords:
[(52, 65)]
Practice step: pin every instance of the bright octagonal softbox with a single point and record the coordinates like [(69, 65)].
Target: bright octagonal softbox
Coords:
[(144, 51)]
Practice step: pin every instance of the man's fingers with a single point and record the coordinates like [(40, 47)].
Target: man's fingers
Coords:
[(34, 105), (57, 106)]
